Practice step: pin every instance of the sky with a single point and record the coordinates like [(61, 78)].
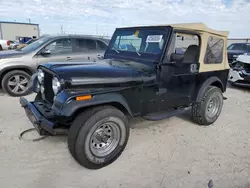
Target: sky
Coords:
[(101, 17)]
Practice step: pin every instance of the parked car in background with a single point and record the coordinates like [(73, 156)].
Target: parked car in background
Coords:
[(22, 45), (4, 45), (236, 49), (240, 71), (13, 44), (17, 66)]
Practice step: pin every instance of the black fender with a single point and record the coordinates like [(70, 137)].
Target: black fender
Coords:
[(202, 89), (100, 99)]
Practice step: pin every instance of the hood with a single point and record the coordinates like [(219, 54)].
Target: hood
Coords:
[(10, 54), (105, 71), (244, 59)]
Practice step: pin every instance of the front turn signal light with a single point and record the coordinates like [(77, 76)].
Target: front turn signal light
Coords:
[(83, 98)]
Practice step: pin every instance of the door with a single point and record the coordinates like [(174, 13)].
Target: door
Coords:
[(60, 50), (177, 76), (85, 50)]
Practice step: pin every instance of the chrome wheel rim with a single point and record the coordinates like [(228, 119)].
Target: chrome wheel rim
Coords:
[(105, 139), (213, 107), (18, 84)]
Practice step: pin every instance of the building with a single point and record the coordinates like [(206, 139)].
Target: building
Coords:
[(238, 40), (18, 31)]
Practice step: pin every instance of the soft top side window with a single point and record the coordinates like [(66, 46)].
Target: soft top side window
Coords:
[(185, 46), (183, 41), (214, 51)]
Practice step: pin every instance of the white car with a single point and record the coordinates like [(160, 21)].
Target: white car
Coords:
[(4, 44), (240, 71)]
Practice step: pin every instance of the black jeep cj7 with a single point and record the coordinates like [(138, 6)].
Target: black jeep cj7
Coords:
[(152, 71)]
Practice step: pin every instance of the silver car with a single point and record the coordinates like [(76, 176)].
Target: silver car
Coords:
[(17, 66)]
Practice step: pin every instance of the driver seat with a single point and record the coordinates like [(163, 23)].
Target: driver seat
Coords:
[(191, 55)]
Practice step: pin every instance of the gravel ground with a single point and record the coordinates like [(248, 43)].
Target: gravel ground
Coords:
[(169, 153)]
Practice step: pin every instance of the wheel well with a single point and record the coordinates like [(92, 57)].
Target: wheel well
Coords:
[(114, 104), (218, 84), (202, 89), (12, 69)]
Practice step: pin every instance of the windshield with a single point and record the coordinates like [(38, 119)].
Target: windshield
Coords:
[(138, 42), (239, 46), (35, 45)]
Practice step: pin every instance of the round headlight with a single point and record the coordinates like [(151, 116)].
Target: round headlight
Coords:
[(56, 85), (40, 76)]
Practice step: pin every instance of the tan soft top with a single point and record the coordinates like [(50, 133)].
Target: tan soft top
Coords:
[(199, 27)]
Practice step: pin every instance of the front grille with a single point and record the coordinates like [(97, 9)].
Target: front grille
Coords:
[(48, 91)]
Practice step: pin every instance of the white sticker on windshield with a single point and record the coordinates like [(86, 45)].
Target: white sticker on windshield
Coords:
[(154, 38)]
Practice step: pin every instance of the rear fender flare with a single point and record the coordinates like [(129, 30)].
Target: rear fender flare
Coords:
[(205, 85), (101, 99)]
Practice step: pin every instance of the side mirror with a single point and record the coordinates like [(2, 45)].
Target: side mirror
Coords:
[(45, 52), (176, 58)]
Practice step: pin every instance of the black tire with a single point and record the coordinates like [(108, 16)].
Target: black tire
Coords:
[(1, 48), (81, 131), (200, 109), (9, 76)]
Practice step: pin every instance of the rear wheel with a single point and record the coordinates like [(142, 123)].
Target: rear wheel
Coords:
[(98, 136), (1, 48), (209, 108), (16, 83)]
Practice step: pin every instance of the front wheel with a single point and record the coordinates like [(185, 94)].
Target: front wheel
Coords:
[(98, 136), (209, 108), (16, 83)]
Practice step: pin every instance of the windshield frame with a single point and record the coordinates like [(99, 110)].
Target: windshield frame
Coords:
[(110, 53), (34, 45)]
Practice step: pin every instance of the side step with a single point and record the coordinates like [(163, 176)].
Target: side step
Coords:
[(165, 114)]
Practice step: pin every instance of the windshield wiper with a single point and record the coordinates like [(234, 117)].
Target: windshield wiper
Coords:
[(138, 53), (135, 49)]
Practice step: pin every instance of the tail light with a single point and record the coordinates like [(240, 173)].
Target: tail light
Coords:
[(8, 42)]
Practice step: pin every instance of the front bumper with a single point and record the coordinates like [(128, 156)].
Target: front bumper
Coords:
[(240, 78), (39, 121)]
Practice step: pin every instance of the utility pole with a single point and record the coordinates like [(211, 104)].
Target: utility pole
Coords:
[(96, 29), (29, 20), (61, 29)]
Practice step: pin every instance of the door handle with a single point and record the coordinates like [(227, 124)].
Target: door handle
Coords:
[(69, 58)]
